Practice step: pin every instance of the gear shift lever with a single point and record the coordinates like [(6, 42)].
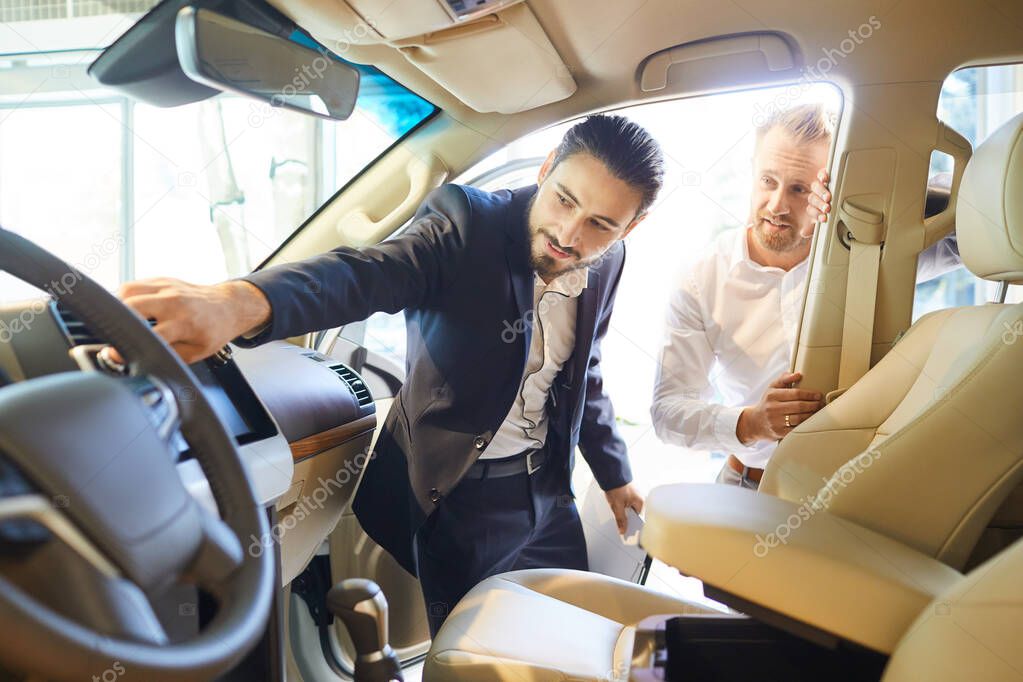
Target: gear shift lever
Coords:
[(361, 605)]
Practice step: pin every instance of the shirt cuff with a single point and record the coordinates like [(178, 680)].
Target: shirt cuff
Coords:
[(725, 423), (252, 335)]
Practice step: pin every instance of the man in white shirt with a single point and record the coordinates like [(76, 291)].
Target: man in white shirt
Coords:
[(733, 319)]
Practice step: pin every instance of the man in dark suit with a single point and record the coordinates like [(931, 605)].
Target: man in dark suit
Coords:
[(506, 296)]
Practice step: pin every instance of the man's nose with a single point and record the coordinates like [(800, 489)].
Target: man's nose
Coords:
[(571, 232), (776, 204)]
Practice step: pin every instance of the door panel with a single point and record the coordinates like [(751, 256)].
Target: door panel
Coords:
[(352, 553), (409, 631), (606, 551)]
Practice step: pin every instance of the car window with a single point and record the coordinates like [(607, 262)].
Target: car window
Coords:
[(125, 190), (976, 102), (708, 144)]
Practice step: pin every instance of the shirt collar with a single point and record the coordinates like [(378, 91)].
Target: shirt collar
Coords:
[(570, 284)]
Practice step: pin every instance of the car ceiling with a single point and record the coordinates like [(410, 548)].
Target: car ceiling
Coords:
[(604, 43)]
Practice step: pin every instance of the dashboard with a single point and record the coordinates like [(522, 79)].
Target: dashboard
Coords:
[(282, 403), (234, 401)]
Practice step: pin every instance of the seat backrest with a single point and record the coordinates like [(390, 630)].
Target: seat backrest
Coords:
[(971, 632), (929, 443)]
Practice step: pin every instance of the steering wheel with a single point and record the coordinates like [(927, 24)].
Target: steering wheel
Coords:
[(98, 445)]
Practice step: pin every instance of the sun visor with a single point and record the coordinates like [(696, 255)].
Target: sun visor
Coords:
[(493, 55), (509, 49), (367, 22)]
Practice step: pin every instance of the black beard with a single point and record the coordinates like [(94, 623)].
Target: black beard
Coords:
[(545, 265)]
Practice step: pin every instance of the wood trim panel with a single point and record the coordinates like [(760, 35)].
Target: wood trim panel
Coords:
[(325, 440)]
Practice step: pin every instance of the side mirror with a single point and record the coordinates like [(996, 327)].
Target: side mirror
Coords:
[(223, 53)]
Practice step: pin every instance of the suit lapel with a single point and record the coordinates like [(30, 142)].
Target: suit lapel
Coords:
[(521, 276), (585, 326), (520, 271)]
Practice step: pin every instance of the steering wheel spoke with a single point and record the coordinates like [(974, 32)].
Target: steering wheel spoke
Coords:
[(41, 510), (220, 555)]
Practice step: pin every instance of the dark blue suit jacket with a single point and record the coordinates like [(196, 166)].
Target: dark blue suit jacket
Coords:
[(462, 274)]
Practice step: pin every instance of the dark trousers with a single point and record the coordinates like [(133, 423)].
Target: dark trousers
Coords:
[(492, 525)]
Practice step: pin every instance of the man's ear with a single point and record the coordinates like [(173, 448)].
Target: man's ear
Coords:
[(635, 221), (546, 167)]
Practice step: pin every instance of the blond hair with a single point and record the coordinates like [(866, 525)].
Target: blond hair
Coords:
[(808, 123)]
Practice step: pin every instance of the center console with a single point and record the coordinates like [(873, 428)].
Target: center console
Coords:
[(817, 597)]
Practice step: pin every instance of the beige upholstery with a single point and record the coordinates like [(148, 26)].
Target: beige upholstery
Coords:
[(545, 624), (936, 424), (989, 215), (913, 461), (796, 560), (937, 419), (971, 632)]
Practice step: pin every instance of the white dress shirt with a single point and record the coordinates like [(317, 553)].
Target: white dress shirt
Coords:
[(554, 313), (731, 326)]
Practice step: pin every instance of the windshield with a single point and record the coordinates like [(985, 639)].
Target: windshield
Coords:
[(124, 190)]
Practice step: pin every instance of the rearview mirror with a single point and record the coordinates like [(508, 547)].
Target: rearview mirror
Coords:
[(227, 54)]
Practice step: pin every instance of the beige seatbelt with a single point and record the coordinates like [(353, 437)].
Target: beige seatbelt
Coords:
[(865, 230)]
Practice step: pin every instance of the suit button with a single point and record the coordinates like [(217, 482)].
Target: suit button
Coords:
[(480, 442), (435, 495)]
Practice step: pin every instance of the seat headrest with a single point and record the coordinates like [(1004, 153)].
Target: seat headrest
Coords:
[(989, 211)]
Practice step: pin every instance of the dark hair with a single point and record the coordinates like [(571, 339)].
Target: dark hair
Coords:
[(629, 152)]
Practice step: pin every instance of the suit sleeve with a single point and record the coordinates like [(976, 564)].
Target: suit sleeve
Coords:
[(599, 440), (348, 284)]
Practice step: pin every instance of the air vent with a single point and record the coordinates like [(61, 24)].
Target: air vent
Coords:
[(77, 333), (354, 383)]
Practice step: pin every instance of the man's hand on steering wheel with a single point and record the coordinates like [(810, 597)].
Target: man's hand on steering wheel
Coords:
[(196, 320)]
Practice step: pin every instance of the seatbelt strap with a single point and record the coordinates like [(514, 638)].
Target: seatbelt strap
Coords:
[(865, 230)]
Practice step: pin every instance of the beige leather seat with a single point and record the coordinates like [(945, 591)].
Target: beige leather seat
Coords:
[(937, 422), (919, 455), (545, 624), (971, 632)]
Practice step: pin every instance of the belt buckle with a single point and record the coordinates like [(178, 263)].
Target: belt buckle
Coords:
[(529, 462)]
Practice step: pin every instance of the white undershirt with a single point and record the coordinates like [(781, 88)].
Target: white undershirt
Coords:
[(554, 313)]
